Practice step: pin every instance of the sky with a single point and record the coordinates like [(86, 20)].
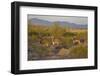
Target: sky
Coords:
[(72, 19)]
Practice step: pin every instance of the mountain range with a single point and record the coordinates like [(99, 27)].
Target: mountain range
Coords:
[(62, 23)]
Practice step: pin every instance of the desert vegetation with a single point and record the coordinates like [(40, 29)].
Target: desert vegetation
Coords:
[(56, 42)]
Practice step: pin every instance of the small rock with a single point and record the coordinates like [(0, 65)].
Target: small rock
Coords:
[(63, 52)]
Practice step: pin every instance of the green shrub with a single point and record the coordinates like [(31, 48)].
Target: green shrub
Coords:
[(79, 51), (41, 51), (67, 42), (69, 34)]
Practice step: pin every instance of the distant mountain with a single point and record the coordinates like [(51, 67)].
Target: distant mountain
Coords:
[(39, 21), (72, 25), (62, 23)]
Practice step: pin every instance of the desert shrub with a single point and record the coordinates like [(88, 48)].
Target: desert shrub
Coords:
[(41, 51), (34, 37), (78, 51), (69, 34), (82, 35), (56, 30), (67, 42)]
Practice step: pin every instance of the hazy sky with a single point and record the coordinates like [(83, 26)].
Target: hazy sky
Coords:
[(72, 19)]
